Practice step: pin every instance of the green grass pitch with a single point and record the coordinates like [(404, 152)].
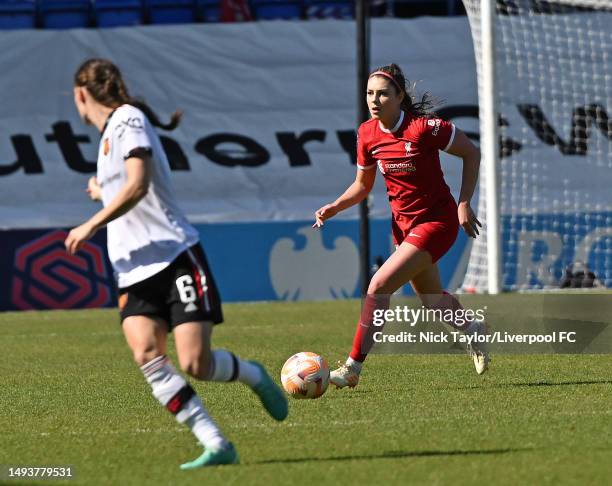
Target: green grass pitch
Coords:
[(70, 394)]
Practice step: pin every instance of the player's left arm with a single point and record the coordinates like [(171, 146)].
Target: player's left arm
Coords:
[(462, 147), (136, 187)]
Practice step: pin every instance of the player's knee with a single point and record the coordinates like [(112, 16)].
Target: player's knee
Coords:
[(378, 285), (197, 367), (145, 354)]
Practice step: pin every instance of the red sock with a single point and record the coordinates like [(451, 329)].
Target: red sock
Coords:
[(449, 301), (363, 340)]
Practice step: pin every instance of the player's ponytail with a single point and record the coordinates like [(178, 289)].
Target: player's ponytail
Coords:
[(411, 104), (104, 82)]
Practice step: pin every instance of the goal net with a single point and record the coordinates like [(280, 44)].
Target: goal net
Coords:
[(549, 101)]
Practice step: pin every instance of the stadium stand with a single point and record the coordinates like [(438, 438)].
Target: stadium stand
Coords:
[(65, 14), (329, 9), (207, 10), (17, 14), (116, 13), (277, 9), (170, 11)]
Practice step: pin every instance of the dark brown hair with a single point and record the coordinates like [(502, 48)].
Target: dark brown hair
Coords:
[(104, 82), (423, 107)]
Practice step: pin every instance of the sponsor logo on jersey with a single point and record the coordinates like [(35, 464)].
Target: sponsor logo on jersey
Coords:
[(134, 123), (396, 167)]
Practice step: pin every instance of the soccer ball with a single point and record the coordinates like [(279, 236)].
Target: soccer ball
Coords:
[(305, 375)]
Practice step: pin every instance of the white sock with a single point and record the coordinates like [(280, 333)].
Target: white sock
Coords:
[(174, 393), (226, 366), (356, 365), (202, 425)]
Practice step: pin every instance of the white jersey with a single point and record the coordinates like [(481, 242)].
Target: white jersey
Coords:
[(147, 238)]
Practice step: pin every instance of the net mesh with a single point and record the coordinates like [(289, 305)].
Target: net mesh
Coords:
[(553, 98)]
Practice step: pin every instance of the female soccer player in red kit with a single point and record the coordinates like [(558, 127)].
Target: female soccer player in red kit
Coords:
[(402, 139)]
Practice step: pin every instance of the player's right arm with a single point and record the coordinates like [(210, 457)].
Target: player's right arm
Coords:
[(354, 194), (135, 188), (358, 190)]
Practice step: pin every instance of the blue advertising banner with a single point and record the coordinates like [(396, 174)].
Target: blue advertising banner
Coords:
[(293, 261), (250, 261), (538, 248)]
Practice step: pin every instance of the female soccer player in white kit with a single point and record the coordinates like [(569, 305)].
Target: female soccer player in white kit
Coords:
[(164, 281)]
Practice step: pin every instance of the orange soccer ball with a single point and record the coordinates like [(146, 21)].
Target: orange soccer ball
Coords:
[(305, 375)]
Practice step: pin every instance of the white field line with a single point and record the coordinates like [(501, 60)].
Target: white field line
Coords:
[(60, 334), (333, 423), (173, 430), (116, 332)]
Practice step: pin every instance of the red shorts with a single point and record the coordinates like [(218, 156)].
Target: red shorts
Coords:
[(434, 231)]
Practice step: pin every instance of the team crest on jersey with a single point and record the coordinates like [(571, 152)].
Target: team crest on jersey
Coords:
[(407, 146), (106, 146)]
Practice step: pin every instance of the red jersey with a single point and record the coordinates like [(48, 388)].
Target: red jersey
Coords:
[(408, 158)]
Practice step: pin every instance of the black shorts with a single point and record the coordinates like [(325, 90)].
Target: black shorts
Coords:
[(184, 291)]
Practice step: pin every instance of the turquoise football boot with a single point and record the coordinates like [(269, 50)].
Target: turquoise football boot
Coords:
[(271, 395), (214, 457)]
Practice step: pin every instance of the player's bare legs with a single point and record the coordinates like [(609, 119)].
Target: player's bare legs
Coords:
[(147, 339), (406, 262), (428, 287), (193, 346), (192, 340), (401, 267), (197, 359)]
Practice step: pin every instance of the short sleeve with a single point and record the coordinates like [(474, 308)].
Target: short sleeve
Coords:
[(131, 134), (438, 133), (364, 160)]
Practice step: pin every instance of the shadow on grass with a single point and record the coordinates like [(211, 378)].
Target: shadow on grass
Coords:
[(350, 393), (395, 455), (563, 383), (538, 383), (359, 394)]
